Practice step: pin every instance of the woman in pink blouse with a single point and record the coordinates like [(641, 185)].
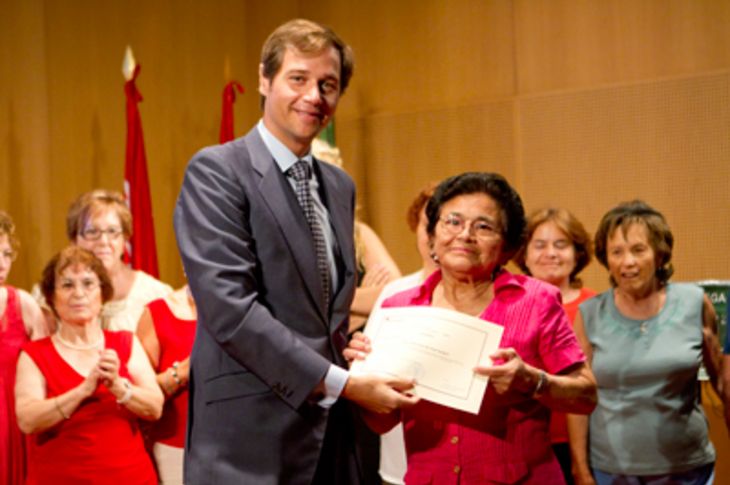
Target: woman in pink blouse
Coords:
[(476, 224)]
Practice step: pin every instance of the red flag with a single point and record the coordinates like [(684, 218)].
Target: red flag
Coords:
[(229, 97), (141, 249)]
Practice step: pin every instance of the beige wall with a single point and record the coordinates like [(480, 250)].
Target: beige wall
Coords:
[(580, 103)]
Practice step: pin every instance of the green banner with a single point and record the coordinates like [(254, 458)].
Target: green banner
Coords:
[(717, 291)]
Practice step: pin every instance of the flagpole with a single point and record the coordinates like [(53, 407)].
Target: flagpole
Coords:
[(128, 64), (141, 248)]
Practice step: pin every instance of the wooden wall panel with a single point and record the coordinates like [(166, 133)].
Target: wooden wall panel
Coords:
[(563, 44), (413, 55), (24, 133)]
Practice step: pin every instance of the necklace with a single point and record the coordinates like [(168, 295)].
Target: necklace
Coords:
[(89, 346), (639, 309)]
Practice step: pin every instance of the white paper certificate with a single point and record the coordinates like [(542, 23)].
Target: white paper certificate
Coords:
[(437, 347)]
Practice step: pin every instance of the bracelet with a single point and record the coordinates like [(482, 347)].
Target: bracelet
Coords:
[(173, 371), (127, 391), (58, 406), (540, 387), (175, 377)]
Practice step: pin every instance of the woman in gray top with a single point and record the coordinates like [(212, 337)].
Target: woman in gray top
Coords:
[(646, 339)]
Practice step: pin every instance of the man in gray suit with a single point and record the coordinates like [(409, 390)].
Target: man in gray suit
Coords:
[(265, 232)]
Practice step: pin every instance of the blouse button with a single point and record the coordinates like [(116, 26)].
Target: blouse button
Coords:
[(457, 469), (454, 440)]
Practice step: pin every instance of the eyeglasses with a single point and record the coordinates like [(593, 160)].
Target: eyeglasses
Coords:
[(9, 254), (481, 228), (94, 233), (68, 287)]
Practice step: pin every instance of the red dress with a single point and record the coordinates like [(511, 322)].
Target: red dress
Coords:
[(12, 442), (101, 442), (176, 341), (558, 423)]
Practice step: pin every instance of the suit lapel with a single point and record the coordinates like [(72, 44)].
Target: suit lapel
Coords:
[(279, 197)]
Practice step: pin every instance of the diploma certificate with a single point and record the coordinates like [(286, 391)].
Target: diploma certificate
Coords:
[(438, 348)]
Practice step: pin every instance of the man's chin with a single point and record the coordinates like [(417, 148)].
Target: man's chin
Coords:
[(313, 129), (306, 136)]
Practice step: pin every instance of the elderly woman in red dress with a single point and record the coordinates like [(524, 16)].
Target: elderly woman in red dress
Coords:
[(81, 391)]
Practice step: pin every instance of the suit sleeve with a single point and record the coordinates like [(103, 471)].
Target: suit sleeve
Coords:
[(218, 254)]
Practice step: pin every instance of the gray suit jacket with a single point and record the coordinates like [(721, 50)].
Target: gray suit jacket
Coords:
[(264, 340)]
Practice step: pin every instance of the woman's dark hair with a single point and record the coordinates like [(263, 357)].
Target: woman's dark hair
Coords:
[(660, 236), (512, 214), (71, 256)]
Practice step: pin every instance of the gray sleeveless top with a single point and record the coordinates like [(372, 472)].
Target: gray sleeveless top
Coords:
[(648, 419)]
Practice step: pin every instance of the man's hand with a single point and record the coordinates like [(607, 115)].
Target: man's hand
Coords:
[(379, 394), (376, 394)]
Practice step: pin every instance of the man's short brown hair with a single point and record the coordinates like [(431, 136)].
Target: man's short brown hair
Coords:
[(309, 38)]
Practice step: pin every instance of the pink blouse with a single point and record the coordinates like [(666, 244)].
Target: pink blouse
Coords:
[(508, 441)]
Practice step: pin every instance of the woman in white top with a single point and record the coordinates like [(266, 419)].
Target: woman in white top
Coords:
[(101, 222)]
